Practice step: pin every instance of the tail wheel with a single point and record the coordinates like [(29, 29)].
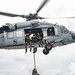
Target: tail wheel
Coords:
[(46, 51), (48, 46)]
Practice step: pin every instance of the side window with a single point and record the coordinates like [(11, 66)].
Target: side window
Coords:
[(10, 35), (19, 33)]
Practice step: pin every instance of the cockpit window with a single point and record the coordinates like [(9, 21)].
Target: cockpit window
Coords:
[(64, 29)]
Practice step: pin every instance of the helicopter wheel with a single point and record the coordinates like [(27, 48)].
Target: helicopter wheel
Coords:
[(46, 51), (48, 46)]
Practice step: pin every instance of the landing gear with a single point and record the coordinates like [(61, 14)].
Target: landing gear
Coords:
[(46, 51), (48, 47)]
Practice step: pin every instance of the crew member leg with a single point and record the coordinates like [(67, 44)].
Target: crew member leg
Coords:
[(30, 46), (40, 43), (26, 47)]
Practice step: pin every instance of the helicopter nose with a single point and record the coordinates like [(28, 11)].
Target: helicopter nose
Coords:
[(73, 36)]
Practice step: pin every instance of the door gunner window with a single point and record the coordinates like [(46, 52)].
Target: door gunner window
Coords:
[(50, 31)]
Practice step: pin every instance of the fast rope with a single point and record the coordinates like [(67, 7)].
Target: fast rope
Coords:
[(34, 60), (34, 71)]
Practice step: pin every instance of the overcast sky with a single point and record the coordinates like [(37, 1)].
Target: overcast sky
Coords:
[(60, 61)]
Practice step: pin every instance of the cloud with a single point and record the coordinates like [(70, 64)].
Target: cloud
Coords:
[(2, 74), (56, 63), (71, 70)]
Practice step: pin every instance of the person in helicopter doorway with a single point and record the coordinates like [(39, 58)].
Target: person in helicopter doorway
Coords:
[(28, 42), (34, 41), (40, 37), (34, 38)]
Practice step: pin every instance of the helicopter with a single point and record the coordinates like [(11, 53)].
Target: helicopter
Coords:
[(12, 36)]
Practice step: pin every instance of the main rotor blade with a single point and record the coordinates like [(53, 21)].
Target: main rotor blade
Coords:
[(42, 5), (13, 15), (62, 18), (9, 14)]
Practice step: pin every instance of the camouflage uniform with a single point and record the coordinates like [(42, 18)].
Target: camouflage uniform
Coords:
[(34, 72), (27, 42), (40, 40)]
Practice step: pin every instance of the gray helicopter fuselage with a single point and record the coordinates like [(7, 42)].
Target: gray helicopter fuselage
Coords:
[(12, 36)]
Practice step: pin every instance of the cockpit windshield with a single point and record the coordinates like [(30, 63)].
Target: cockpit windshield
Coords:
[(64, 29)]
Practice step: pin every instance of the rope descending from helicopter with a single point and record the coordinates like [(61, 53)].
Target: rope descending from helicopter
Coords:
[(34, 71)]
